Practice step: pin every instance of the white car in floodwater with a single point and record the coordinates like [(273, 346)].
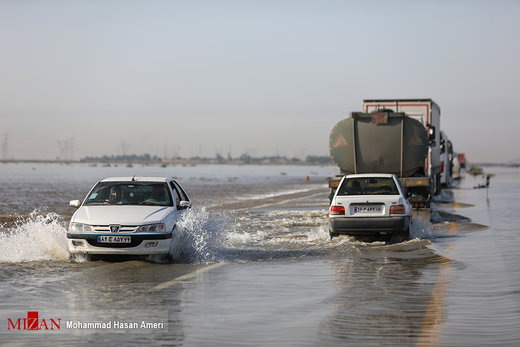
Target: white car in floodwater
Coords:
[(370, 205), (128, 216)]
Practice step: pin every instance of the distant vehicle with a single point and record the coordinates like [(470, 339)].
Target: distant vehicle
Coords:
[(447, 158), (370, 205), (456, 168), (462, 160), (128, 216)]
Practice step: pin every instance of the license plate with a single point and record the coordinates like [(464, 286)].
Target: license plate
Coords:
[(368, 209), (114, 239)]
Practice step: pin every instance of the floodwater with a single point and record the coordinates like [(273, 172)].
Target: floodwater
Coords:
[(258, 268)]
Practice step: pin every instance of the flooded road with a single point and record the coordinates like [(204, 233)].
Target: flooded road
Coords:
[(258, 268)]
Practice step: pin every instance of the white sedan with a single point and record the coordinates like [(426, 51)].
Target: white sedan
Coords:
[(128, 216), (370, 205)]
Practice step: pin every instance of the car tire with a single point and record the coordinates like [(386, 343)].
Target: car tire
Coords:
[(406, 234), (400, 237), (332, 234)]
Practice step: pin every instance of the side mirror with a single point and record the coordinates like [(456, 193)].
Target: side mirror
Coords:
[(75, 203), (184, 205)]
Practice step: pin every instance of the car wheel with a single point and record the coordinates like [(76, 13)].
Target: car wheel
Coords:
[(406, 234), (332, 234), (400, 237)]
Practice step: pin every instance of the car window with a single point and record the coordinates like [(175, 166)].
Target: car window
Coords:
[(135, 193), (368, 186), (183, 195), (176, 195)]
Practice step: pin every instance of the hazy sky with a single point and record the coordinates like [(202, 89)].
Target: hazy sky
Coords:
[(263, 77)]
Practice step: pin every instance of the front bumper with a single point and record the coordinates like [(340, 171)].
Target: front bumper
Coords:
[(368, 226), (141, 244)]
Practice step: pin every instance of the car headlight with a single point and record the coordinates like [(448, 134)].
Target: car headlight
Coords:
[(152, 228), (79, 228)]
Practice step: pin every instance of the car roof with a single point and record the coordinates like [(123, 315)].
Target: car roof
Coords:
[(136, 179), (370, 175)]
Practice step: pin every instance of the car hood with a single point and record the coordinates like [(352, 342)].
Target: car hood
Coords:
[(123, 215)]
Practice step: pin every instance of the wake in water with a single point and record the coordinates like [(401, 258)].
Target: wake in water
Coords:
[(239, 236), (209, 237), (44, 237), (40, 237), (267, 235)]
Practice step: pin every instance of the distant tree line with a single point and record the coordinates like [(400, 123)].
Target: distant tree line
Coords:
[(123, 158), (318, 159), (218, 159)]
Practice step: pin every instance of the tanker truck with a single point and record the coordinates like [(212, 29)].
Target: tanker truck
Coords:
[(384, 141), (428, 113)]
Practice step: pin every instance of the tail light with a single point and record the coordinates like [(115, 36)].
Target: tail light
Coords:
[(337, 210), (397, 209)]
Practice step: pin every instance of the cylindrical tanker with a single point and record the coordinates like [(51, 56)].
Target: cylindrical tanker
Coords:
[(379, 142), (385, 142)]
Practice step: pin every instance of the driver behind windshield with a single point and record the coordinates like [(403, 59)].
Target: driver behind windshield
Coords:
[(115, 196)]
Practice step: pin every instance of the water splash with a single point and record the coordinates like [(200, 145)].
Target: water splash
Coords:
[(39, 237), (421, 228), (201, 237)]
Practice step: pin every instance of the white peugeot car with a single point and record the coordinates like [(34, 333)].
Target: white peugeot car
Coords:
[(128, 216), (370, 205)]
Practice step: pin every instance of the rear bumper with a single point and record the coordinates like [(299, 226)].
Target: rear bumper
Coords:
[(141, 244), (366, 226)]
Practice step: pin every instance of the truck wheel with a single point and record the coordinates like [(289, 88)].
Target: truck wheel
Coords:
[(438, 186)]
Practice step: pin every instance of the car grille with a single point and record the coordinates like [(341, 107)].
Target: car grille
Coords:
[(134, 243), (122, 228)]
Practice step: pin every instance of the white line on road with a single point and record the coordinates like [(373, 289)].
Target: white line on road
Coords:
[(184, 277)]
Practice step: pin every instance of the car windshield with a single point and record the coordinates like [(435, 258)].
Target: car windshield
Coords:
[(134, 193), (368, 186)]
